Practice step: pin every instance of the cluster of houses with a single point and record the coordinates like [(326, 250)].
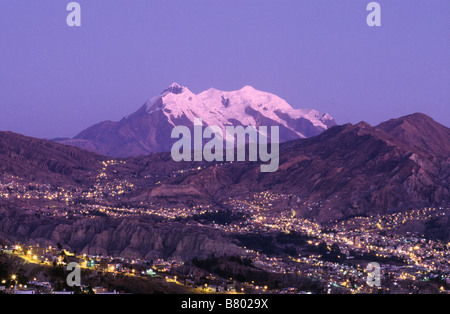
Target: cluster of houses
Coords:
[(52, 256)]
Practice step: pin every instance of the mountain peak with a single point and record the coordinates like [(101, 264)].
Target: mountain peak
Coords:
[(413, 119), (363, 125), (248, 88), (418, 116), (175, 88), (420, 131)]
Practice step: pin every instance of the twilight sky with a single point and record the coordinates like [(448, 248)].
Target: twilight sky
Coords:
[(56, 80)]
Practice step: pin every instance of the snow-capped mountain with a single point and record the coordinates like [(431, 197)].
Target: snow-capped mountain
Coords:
[(149, 128)]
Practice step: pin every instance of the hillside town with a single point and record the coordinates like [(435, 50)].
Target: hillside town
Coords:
[(333, 255), (336, 254)]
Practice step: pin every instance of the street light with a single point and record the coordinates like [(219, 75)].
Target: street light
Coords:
[(13, 277)]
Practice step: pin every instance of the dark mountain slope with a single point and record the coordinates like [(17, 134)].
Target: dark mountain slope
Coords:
[(45, 161), (353, 169)]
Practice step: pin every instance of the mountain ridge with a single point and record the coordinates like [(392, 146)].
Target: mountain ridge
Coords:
[(41, 159), (357, 169), (346, 171)]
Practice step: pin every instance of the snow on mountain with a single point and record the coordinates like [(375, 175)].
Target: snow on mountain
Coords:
[(149, 129), (176, 101), (223, 108)]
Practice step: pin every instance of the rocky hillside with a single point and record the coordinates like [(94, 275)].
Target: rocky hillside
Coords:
[(146, 238)]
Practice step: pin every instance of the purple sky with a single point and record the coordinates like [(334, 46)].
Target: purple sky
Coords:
[(56, 81)]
